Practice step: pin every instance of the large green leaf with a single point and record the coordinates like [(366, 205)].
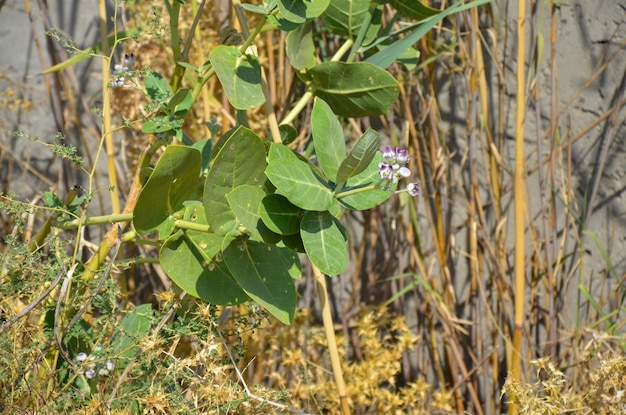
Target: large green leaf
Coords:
[(280, 215), (266, 274), (191, 260), (345, 17), (360, 156), (354, 89), (328, 138), (296, 180), (174, 180), (244, 202), (301, 11), (240, 75), (300, 48), (368, 177), (241, 160), (325, 242)]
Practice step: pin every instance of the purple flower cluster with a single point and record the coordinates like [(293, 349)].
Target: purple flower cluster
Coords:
[(393, 169), (118, 70)]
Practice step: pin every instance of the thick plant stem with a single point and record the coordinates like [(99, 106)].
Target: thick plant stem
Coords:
[(322, 292), (520, 202)]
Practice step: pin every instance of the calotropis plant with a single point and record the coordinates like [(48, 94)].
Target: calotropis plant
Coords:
[(233, 232), (232, 213)]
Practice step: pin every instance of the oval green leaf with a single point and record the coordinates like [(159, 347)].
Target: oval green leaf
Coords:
[(174, 180), (328, 138), (190, 260), (280, 215), (240, 161), (325, 242), (295, 179), (358, 89), (345, 17), (240, 76), (266, 274), (301, 11)]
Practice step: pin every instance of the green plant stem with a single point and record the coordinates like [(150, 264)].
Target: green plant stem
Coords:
[(192, 226), (356, 191), (304, 100), (94, 220), (329, 329)]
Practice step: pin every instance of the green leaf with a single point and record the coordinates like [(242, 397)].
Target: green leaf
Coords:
[(204, 146), (266, 274), (301, 11), (295, 179), (328, 138), (300, 48), (161, 124), (134, 327), (240, 75), (157, 88), (51, 200), (414, 9), (193, 261), (345, 17), (173, 181), (389, 55), (279, 215), (181, 102), (354, 89), (360, 156), (245, 202), (287, 133), (241, 160), (370, 198), (324, 242)]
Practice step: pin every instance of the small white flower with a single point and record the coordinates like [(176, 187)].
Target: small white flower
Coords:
[(414, 189), (81, 357), (90, 373)]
